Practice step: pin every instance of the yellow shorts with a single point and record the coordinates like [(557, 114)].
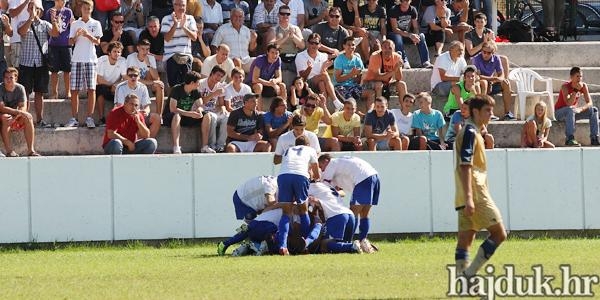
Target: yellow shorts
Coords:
[(486, 214)]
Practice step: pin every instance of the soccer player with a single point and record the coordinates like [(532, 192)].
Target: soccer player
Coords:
[(358, 178), (473, 202), (293, 182), (258, 230), (254, 195)]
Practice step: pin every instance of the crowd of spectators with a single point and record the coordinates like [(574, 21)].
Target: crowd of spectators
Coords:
[(212, 64)]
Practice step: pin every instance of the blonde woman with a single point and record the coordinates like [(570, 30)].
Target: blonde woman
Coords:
[(537, 128)]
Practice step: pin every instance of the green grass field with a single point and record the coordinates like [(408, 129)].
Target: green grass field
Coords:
[(404, 269)]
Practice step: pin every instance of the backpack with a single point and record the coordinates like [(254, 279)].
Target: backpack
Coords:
[(516, 31)]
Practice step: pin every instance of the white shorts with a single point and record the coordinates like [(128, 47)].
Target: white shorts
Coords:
[(245, 146)]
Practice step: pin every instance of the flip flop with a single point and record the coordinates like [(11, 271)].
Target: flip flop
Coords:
[(12, 154)]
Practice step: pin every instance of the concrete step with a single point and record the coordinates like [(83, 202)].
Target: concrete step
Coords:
[(507, 134), (418, 80)]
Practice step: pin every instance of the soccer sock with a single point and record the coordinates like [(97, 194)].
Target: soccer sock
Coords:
[(304, 224), (314, 234), (339, 247), (363, 228), (235, 239), (461, 256), (485, 251), (284, 229)]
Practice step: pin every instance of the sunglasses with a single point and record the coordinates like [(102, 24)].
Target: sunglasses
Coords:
[(133, 75), (119, 22), (285, 14), (334, 16), (314, 43), (309, 105)]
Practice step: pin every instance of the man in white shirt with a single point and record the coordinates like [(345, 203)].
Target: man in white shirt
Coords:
[(266, 17), (212, 15), (447, 69), (149, 76), (221, 59), (288, 139), (240, 39), (112, 69), (236, 90), (212, 91)]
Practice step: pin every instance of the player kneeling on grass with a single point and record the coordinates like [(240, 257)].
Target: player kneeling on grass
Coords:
[(473, 202), (339, 222), (258, 230)]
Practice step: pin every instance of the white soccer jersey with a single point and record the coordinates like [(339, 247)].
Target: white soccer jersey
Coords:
[(272, 216), (297, 159), (252, 192), (330, 201), (288, 140), (346, 172)]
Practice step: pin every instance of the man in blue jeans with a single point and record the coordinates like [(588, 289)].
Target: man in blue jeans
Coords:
[(568, 109), (400, 20)]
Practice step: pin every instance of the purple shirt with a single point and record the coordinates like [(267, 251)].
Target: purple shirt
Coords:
[(65, 16), (487, 68), (267, 69)]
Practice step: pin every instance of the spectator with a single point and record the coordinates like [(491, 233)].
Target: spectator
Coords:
[(59, 50), (428, 124), (436, 25), (245, 127), (221, 59), (112, 69), (185, 108), (265, 75), (33, 67), (475, 38), (148, 72), (380, 128), (462, 90), (315, 111), (229, 5), (537, 128), (296, 12), (194, 8), (332, 35), (288, 37), (133, 15), (298, 93), (265, 19), (315, 12), (384, 71), (115, 34), (486, 10), (200, 50), (404, 28), (288, 139), (345, 126), (212, 15), (568, 108), (212, 91), (236, 90), (84, 35), (278, 120), (5, 28), (447, 69), (347, 73), (13, 110), (553, 18), (404, 117), (134, 86), (156, 38), (460, 18), (179, 31), (372, 23), (240, 39), (491, 70), (457, 121), (17, 11), (350, 16), (126, 132)]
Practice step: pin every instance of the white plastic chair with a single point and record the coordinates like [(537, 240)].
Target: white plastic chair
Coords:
[(525, 79)]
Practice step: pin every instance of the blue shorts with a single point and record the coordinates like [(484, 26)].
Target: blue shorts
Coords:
[(259, 231), (340, 227), (366, 192), (292, 188), (496, 88), (242, 211), (382, 145)]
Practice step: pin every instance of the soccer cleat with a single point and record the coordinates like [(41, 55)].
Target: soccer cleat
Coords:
[(356, 247), (242, 250), (89, 123), (366, 247), (221, 249), (72, 123), (242, 228), (284, 252)]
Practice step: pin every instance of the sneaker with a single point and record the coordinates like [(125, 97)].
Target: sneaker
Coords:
[(89, 123), (220, 149), (207, 149), (176, 150), (406, 65), (242, 250), (72, 123), (427, 65), (595, 141), (365, 245), (284, 252), (338, 105), (102, 122), (571, 141), (2, 154), (494, 118), (509, 117), (43, 124), (356, 247), (221, 249)]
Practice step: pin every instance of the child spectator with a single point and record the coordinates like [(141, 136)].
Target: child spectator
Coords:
[(428, 124), (345, 126), (298, 93), (59, 50), (112, 69), (462, 90), (537, 128), (457, 121), (236, 90), (404, 117), (380, 128)]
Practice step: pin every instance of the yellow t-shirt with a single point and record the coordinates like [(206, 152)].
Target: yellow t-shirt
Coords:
[(346, 127), (312, 121)]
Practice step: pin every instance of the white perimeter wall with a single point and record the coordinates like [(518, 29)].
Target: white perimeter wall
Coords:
[(189, 196)]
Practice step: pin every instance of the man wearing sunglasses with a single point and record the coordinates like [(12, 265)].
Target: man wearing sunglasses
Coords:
[(332, 33), (115, 34)]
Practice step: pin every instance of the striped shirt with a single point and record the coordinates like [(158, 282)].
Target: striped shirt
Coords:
[(180, 43), (30, 52)]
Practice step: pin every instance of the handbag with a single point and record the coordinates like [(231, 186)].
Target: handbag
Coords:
[(182, 58), (45, 60), (107, 5)]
